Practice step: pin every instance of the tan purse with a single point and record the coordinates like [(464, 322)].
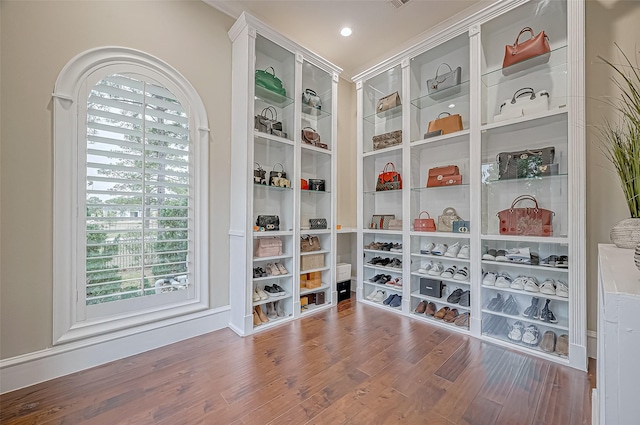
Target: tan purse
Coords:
[(388, 102), (445, 221), (444, 125), (309, 243)]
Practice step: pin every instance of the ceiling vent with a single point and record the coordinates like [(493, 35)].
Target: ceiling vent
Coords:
[(398, 3)]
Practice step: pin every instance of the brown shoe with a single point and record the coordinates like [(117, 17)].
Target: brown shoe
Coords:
[(462, 320), (451, 315), (548, 343), (441, 313), (263, 317), (421, 307), (431, 309), (256, 319), (562, 346)]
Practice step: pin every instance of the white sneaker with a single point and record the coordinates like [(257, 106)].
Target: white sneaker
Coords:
[(531, 285), (448, 274), (453, 250), (379, 296), (503, 280), (263, 294), (372, 294), (439, 249), (256, 296), (436, 270), (464, 252), (425, 269), (490, 255), (489, 279), (548, 287), (562, 290), (461, 274), (501, 255), (519, 255), (518, 283), (427, 249)]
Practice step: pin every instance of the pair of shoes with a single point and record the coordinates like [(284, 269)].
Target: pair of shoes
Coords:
[(455, 251), (442, 313), (274, 310), (555, 287), (259, 295), (431, 309), (379, 261), (559, 261), (258, 316), (526, 283), (531, 336), (511, 306), (377, 295), (421, 308), (396, 263), (496, 303), (276, 269), (395, 282), (546, 315), (511, 255), (533, 311), (397, 247), (462, 320), (438, 249), (460, 297), (451, 315), (450, 273), (380, 279), (259, 272), (499, 280), (394, 300), (275, 291)]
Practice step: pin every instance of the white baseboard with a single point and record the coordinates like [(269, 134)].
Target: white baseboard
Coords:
[(32, 368), (592, 344)]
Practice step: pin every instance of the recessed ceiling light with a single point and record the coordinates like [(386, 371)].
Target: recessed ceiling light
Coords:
[(452, 105), (345, 32)]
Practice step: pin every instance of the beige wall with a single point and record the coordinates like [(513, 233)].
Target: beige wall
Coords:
[(607, 22), (38, 38)]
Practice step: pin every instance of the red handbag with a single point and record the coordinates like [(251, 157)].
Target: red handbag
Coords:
[(535, 46), (444, 176), (424, 224), (389, 178), (304, 185), (526, 221)]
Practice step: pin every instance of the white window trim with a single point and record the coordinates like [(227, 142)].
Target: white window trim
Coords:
[(66, 326)]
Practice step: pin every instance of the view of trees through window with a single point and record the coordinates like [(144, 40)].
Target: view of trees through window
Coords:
[(138, 190)]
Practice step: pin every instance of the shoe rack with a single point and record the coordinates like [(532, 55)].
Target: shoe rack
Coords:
[(262, 300), (504, 314)]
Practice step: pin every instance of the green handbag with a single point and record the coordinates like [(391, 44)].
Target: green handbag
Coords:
[(269, 81)]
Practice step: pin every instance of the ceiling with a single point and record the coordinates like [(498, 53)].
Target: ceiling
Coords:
[(379, 29)]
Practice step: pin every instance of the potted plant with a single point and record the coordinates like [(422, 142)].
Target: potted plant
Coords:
[(621, 145)]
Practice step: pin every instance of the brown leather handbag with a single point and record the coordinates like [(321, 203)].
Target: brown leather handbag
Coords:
[(311, 137), (528, 221), (444, 125), (309, 243), (424, 224), (535, 46), (388, 102), (444, 176)]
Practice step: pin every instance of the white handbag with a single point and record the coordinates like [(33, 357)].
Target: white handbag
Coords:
[(524, 102)]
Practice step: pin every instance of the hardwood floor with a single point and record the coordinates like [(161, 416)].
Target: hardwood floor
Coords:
[(353, 364)]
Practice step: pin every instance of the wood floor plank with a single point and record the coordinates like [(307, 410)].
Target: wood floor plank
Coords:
[(352, 364)]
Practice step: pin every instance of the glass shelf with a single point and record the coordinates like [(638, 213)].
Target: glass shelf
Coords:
[(275, 99), (266, 186), (420, 189), (313, 114), (490, 177), (388, 114), (442, 96), (557, 64), (314, 191), (380, 192), (458, 136)]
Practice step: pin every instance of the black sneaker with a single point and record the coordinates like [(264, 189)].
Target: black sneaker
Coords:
[(465, 299), (546, 315), (279, 289), (455, 296), (496, 303), (533, 311)]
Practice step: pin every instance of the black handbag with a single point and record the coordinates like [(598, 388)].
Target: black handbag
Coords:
[(318, 223), (317, 184), (526, 164), (275, 177), (269, 124), (268, 222), (259, 175), (431, 287)]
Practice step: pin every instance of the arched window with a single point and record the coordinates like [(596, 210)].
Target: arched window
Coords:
[(130, 194)]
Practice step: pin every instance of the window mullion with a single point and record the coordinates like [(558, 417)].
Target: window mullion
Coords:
[(144, 182)]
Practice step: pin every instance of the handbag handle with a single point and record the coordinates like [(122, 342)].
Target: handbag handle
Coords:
[(524, 198), (438, 70), (393, 167), (525, 29), (259, 166), (450, 211), (523, 92), (272, 111), (310, 92), (274, 166), (271, 68), (439, 115), (423, 212)]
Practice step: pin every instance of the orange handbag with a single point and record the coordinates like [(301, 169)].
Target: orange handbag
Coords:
[(444, 176), (535, 46), (528, 221), (424, 224), (445, 125), (389, 178)]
